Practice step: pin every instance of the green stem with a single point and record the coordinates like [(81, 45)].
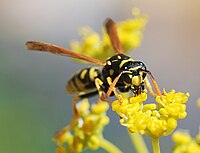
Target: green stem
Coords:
[(155, 145), (138, 143), (109, 147)]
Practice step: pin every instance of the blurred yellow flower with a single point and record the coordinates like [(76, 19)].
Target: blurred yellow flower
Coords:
[(184, 143), (198, 102), (85, 129), (99, 47), (155, 120)]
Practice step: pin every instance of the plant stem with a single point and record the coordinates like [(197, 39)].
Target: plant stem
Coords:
[(109, 147), (138, 143), (155, 145)]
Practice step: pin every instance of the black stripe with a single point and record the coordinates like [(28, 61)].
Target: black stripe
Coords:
[(74, 82), (86, 78)]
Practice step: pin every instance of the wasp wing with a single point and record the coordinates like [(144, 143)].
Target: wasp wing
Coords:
[(46, 47), (111, 29)]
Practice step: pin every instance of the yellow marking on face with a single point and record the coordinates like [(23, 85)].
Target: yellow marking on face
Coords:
[(111, 71), (93, 74), (83, 73), (136, 80), (134, 68), (124, 61)]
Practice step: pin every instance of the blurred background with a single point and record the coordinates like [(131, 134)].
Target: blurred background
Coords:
[(33, 105)]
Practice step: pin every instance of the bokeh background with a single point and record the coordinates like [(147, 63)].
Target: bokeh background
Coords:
[(33, 104)]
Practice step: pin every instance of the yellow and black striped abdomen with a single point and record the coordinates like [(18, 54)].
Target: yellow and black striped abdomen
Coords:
[(83, 81)]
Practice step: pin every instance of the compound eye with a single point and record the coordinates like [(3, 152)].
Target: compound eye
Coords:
[(135, 73), (127, 78)]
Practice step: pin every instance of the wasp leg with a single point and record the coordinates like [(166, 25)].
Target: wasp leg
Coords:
[(113, 84), (99, 85), (158, 92), (112, 87)]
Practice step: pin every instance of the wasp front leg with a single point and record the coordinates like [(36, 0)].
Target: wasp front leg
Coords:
[(149, 87), (112, 87), (154, 83), (113, 83)]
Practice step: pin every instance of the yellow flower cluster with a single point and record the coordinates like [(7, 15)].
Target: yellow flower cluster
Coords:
[(198, 102), (85, 130), (152, 119), (130, 35), (184, 143)]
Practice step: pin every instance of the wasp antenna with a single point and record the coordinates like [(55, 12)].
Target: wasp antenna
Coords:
[(30, 46), (111, 30), (108, 21), (40, 46), (156, 87)]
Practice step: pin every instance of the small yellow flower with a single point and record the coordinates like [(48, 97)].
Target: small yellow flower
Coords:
[(197, 138), (184, 143), (181, 137), (173, 103), (61, 149), (153, 119), (198, 102), (85, 129), (99, 47)]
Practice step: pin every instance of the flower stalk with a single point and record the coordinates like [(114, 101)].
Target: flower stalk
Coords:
[(138, 143), (109, 147), (155, 145)]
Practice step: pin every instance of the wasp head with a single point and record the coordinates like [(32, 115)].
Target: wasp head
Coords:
[(136, 73)]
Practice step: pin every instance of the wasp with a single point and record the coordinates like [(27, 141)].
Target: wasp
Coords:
[(119, 72)]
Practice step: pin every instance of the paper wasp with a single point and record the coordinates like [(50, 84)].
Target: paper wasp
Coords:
[(119, 71)]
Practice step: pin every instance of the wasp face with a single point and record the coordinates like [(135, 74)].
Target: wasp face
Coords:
[(137, 73)]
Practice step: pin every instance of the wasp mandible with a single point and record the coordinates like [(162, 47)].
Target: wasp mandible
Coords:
[(119, 72)]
